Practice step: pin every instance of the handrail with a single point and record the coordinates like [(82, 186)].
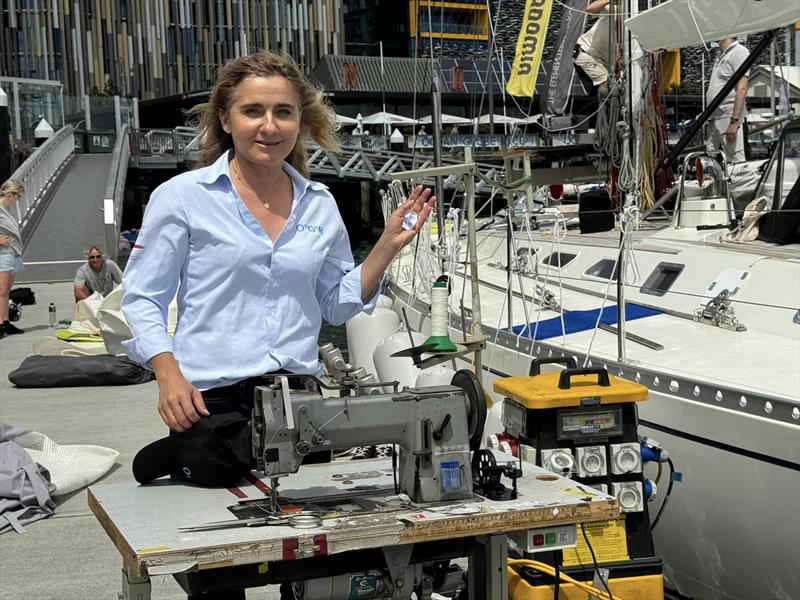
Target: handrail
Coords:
[(38, 173), (115, 190)]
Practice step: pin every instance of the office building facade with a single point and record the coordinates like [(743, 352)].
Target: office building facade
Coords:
[(156, 48)]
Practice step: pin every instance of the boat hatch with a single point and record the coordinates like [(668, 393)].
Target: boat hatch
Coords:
[(559, 260), (606, 268), (661, 279)]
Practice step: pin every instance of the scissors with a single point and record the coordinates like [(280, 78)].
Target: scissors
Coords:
[(300, 520)]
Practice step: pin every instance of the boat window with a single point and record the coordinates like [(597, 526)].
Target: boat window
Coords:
[(661, 279), (559, 259), (605, 269)]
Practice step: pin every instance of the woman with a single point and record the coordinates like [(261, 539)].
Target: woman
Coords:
[(10, 251), (257, 253)]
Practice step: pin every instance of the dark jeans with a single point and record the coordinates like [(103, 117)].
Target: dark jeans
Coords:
[(238, 397)]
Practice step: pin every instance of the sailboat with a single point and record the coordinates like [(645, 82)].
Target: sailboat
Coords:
[(707, 319)]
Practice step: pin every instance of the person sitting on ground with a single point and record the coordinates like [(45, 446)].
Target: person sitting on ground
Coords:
[(97, 275), (10, 251), (592, 54)]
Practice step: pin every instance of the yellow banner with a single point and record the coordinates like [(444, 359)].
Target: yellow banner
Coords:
[(530, 45)]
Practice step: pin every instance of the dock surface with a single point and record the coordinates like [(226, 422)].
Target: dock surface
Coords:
[(68, 556)]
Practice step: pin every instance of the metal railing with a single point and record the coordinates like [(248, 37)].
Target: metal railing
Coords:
[(115, 191), (38, 173), (179, 144)]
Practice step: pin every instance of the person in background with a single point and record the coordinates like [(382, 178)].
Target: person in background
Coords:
[(725, 124), (592, 54), (10, 251), (422, 131), (454, 129), (97, 275)]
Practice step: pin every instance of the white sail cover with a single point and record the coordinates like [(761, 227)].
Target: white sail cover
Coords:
[(680, 23)]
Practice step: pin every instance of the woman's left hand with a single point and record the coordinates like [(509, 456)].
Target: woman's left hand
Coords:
[(420, 202)]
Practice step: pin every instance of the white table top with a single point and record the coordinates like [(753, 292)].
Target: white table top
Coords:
[(143, 520)]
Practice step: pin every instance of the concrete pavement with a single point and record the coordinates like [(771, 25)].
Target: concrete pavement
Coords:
[(68, 556)]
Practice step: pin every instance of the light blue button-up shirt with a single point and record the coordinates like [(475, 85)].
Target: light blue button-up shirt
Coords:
[(246, 305)]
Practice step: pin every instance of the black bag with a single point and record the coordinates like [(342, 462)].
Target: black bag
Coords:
[(782, 226), (14, 311), (23, 295), (74, 371), (594, 212)]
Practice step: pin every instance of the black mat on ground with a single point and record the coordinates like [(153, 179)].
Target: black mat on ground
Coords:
[(76, 371)]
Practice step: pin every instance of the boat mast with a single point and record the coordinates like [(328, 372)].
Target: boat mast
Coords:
[(632, 90), (436, 125)]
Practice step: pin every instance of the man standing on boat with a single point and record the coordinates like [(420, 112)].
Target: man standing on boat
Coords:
[(725, 125), (592, 54)]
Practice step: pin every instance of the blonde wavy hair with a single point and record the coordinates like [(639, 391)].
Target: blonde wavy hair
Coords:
[(316, 117), (12, 187)]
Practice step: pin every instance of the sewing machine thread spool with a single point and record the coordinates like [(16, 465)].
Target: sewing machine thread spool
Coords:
[(439, 337)]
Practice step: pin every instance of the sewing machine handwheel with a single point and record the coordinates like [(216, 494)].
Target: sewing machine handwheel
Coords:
[(468, 382), (485, 473)]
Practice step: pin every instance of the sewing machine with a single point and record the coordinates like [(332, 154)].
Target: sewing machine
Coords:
[(435, 427)]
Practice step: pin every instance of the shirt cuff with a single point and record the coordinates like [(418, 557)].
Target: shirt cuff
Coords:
[(350, 292), (141, 349)]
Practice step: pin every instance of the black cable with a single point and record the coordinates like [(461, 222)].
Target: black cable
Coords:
[(557, 586), (666, 496), (594, 562)]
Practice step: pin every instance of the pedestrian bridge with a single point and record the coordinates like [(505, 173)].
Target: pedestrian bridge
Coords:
[(74, 200), (364, 158)]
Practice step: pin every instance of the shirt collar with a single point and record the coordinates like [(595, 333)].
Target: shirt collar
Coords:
[(733, 43), (222, 167)]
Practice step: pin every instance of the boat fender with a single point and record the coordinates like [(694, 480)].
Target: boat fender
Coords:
[(436, 375), (397, 368), (384, 301), (365, 331)]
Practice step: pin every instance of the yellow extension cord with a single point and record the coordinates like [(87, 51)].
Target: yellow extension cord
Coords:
[(549, 570)]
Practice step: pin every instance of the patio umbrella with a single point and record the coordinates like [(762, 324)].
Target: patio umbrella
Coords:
[(447, 120), (499, 120), (381, 118), (342, 120)]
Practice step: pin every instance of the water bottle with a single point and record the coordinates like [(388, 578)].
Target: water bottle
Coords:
[(52, 310)]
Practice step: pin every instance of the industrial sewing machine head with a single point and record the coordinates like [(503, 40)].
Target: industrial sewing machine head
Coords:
[(435, 427)]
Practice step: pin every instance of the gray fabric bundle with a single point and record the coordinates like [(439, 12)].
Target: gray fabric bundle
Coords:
[(24, 485)]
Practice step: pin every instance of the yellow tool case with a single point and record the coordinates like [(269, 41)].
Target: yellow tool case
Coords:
[(583, 424)]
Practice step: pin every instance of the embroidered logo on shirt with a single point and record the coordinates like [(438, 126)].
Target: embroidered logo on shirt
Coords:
[(309, 228)]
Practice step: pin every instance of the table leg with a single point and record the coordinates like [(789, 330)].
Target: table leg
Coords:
[(487, 568), (134, 587)]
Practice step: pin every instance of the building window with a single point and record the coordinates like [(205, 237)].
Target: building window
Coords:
[(661, 279)]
